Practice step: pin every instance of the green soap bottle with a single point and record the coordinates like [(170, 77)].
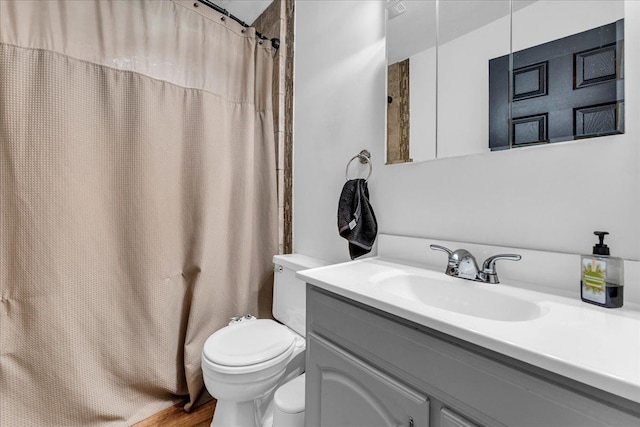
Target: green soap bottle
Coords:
[(602, 276)]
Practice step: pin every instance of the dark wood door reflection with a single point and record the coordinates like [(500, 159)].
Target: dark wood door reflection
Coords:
[(566, 89)]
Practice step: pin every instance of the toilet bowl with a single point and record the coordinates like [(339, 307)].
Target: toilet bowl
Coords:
[(245, 364)]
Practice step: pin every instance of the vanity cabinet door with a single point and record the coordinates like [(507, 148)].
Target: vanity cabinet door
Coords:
[(451, 419), (344, 391)]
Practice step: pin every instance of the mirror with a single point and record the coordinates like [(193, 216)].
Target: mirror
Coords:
[(567, 81), (411, 81), (468, 93), (470, 34)]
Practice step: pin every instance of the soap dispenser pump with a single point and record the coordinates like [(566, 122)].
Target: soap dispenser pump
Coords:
[(602, 276)]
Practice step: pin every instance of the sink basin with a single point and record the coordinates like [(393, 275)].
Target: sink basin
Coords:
[(460, 296)]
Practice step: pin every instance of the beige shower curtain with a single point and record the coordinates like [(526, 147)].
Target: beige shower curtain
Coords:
[(137, 202)]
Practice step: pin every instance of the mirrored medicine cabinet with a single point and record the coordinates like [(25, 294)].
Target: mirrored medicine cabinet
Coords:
[(475, 76)]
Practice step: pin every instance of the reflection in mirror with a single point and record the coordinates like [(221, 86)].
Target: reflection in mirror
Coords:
[(447, 93), (411, 85), (470, 34), (567, 81)]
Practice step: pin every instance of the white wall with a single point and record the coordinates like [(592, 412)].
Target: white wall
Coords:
[(339, 109), (547, 198)]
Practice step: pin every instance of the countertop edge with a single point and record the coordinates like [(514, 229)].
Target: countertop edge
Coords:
[(599, 380)]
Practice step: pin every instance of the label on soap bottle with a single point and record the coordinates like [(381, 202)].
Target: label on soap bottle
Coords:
[(594, 280)]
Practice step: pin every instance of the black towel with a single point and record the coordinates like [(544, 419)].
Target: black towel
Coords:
[(356, 220)]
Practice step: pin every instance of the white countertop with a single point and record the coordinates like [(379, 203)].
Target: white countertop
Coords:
[(590, 344)]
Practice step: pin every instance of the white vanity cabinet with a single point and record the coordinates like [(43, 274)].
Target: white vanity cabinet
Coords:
[(368, 368), (350, 392), (449, 418)]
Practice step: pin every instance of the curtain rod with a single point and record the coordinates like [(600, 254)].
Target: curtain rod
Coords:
[(275, 42)]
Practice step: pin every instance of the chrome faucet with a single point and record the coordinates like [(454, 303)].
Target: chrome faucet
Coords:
[(463, 265)]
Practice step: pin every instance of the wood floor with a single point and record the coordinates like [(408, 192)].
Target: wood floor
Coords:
[(175, 416)]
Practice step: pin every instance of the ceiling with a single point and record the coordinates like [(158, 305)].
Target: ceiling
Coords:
[(246, 10)]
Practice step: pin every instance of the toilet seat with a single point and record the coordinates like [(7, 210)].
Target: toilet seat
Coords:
[(249, 346), (256, 367)]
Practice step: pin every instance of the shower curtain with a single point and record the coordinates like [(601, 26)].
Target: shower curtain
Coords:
[(137, 202)]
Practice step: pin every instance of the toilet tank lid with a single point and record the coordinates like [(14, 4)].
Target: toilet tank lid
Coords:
[(298, 262), (289, 398)]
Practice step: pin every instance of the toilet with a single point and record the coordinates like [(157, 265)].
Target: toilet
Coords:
[(255, 367)]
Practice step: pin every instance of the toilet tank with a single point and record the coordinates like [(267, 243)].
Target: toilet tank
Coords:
[(289, 293)]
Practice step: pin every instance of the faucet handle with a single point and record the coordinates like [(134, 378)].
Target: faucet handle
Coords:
[(489, 266), (441, 248), (460, 263), (452, 264)]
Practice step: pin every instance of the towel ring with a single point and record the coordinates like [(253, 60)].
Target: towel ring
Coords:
[(365, 158)]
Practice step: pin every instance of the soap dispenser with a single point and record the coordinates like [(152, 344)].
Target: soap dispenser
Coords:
[(602, 276)]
